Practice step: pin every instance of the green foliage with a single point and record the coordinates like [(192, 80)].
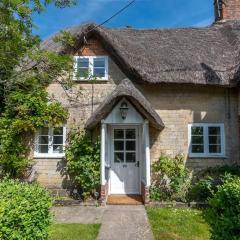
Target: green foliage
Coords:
[(202, 190), (16, 36), (209, 179), (24, 211), (171, 180), (24, 113), (83, 166), (219, 171), (66, 38), (223, 213), (25, 72)]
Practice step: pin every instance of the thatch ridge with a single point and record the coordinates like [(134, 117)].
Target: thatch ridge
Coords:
[(127, 90), (207, 56)]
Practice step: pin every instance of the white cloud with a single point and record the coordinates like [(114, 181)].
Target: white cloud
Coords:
[(204, 22)]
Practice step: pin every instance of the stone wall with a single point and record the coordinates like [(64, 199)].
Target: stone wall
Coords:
[(177, 105), (86, 97), (181, 105)]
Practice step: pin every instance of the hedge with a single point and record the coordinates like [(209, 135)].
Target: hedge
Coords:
[(24, 211)]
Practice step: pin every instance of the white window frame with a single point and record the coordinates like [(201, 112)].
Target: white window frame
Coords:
[(50, 154), (206, 140), (91, 59)]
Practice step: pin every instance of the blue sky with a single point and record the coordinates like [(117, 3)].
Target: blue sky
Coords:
[(141, 14)]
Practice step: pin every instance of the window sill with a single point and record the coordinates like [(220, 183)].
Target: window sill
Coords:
[(90, 81), (49, 156), (207, 156)]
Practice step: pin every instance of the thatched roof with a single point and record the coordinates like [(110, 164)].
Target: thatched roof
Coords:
[(125, 90), (188, 55)]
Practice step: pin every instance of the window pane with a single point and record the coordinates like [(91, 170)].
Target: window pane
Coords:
[(118, 133), (58, 131), (83, 63), (43, 131), (197, 139), (130, 133), (83, 72), (197, 148), (57, 139), (214, 130), (99, 72), (43, 148), (131, 157), (119, 145), (214, 139), (99, 62), (118, 157), (197, 130), (58, 148), (130, 145), (215, 148), (43, 140)]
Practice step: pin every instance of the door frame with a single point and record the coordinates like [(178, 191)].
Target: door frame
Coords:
[(138, 152)]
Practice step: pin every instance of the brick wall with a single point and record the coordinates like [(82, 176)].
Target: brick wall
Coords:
[(92, 48), (227, 10)]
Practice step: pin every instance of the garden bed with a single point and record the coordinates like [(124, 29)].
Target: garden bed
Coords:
[(71, 202), (198, 205)]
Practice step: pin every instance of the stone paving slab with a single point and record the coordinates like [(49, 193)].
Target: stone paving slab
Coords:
[(125, 223), (117, 222), (78, 214)]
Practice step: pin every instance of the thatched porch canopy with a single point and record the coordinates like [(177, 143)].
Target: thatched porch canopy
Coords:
[(127, 90)]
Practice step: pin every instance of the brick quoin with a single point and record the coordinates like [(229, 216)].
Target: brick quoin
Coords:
[(227, 10)]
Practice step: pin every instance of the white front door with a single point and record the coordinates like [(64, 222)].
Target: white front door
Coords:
[(125, 161)]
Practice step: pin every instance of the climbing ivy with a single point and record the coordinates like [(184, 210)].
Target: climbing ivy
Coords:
[(83, 162)]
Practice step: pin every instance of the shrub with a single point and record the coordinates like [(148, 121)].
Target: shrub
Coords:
[(171, 180), (24, 211), (83, 166), (202, 190), (223, 214), (205, 186), (218, 171)]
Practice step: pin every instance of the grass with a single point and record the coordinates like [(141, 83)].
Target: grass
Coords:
[(178, 224), (74, 231)]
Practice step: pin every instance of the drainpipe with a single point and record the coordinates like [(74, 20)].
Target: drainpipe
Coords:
[(103, 152), (147, 154)]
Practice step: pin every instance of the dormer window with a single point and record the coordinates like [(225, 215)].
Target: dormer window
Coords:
[(91, 68)]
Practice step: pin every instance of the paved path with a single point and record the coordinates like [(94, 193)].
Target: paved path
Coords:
[(125, 223), (117, 222), (78, 214)]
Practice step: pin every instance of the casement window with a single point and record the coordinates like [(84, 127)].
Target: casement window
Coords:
[(50, 142), (91, 67), (206, 140)]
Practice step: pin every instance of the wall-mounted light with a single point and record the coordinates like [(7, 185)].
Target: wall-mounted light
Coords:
[(124, 110)]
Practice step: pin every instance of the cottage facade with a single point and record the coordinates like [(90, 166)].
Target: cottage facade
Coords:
[(171, 91)]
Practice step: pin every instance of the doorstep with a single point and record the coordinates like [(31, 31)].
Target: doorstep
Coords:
[(124, 200)]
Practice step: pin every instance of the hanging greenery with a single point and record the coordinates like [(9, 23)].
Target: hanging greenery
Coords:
[(25, 72), (83, 162)]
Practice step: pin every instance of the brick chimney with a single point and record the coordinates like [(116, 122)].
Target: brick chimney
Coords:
[(227, 10)]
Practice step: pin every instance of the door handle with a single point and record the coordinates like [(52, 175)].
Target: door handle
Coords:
[(137, 164)]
